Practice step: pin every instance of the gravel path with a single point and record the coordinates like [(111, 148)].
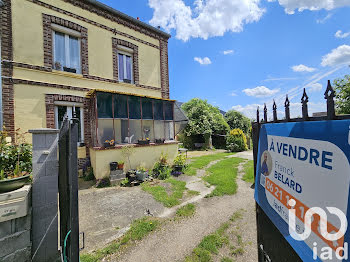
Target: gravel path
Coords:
[(177, 239)]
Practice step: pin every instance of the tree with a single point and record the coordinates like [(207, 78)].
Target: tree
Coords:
[(342, 90), (238, 120), (204, 119)]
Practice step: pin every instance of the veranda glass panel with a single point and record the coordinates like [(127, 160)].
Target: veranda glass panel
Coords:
[(147, 112), (134, 107), (168, 110), (120, 106), (121, 131), (159, 130), (135, 132), (104, 105), (169, 130), (158, 110), (105, 130), (147, 129)]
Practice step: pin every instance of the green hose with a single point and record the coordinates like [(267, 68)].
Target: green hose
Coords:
[(65, 247)]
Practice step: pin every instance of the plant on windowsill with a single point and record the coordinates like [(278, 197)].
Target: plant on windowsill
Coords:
[(108, 143), (57, 66), (128, 81), (143, 141), (159, 141), (70, 70)]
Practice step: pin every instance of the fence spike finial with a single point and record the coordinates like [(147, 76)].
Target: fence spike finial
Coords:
[(286, 108), (304, 101), (329, 95), (265, 113), (257, 115), (274, 108)]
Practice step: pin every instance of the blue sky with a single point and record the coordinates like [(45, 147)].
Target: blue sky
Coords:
[(270, 50)]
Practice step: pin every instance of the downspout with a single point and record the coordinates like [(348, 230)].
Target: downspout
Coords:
[(1, 112)]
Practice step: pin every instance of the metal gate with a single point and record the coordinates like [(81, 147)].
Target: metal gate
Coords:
[(68, 190), (272, 246)]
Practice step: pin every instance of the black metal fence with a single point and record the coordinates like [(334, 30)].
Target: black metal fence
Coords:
[(272, 246), (68, 190)]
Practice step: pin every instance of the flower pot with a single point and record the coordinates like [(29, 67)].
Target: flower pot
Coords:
[(141, 175), (177, 168), (121, 166), (143, 142), (113, 166), (8, 185), (159, 141)]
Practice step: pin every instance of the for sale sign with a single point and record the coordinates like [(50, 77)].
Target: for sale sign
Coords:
[(302, 184)]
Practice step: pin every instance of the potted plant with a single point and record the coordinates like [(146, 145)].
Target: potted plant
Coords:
[(159, 141), (113, 166), (15, 162), (141, 173), (143, 141), (179, 163), (126, 152), (121, 165), (57, 65), (108, 143)]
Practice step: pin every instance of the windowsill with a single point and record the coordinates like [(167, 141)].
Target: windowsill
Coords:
[(64, 73), (119, 146)]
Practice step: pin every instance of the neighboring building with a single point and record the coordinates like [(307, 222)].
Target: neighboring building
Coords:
[(66, 56)]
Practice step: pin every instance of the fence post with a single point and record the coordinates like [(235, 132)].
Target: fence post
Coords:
[(44, 196), (329, 95), (304, 101), (287, 110)]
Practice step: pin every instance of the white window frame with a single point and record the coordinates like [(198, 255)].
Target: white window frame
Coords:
[(126, 52), (70, 107), (67, 32)]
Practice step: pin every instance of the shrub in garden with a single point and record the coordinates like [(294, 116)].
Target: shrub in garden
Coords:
[(15, 158), (161, 169), (104, 182), (236, 141)]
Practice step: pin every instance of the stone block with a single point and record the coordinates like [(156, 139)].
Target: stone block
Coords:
[(11, 243)]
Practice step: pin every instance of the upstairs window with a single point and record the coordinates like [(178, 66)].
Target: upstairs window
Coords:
[(66, 51), (125, 67)]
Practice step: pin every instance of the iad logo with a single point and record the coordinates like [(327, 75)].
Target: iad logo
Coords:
[(322, 229)]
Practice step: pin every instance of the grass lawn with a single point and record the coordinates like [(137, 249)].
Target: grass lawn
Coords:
[(186, 211), (223, 176), (138, 230), (249, 171), (160, 194), (203, 161)]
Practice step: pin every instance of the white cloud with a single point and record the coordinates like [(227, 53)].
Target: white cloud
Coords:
[(291, 5), (228, 52), (313, 87), (303, 68), (323, 20), (260, 91), (338, 56), (203, 61), (233, 93), (269, 78), (206, 18), (340, 34)]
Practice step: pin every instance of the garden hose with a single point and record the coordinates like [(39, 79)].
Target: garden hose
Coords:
[(65, 247)]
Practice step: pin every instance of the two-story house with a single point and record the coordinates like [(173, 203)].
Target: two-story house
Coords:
[(82, 58)]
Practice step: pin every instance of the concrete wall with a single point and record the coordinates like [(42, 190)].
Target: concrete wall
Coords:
[(145, 155), (15, 243)]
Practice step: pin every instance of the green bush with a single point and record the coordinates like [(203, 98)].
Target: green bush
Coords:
[(236, 141), (16, 156)]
